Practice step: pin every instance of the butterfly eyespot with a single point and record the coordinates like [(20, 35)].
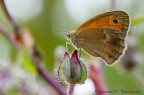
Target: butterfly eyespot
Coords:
[(115, 21)]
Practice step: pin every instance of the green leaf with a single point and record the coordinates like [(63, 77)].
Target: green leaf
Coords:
[(27, 63), (84, 73), (137, 21)]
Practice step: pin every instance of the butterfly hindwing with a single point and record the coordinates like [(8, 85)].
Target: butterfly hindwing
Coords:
[(108, 44)]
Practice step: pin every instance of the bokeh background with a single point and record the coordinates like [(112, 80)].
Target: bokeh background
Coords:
[(47, 20)]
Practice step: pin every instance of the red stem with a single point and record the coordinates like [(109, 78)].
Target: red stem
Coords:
[(97, 78)]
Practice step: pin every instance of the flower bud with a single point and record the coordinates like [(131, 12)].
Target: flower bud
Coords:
[(71, 69)]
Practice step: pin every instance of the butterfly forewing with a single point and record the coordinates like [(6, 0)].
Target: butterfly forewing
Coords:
[(106, 20)]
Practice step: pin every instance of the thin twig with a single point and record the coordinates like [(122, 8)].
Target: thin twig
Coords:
[(37, 62), (6, 34), (49, 79), (36, 58), (11, 19)]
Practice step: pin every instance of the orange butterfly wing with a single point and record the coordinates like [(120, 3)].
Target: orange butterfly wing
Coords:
[(118, 20)]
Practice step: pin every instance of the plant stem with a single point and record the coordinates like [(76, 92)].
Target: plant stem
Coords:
[(48, 79), (37, 64), (6, 34), (11, 19), (43, 73), (70, 89), (36, 61)]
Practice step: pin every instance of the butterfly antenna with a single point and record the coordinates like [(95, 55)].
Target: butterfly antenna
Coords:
[(58, 28)]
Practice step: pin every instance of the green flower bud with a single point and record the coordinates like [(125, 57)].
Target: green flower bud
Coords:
[(72, 70)]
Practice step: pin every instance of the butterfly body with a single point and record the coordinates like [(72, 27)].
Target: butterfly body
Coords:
[(103, 36)]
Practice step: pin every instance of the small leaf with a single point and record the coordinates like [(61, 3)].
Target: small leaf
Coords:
[(64, 68), (137, 21), (84, 74)]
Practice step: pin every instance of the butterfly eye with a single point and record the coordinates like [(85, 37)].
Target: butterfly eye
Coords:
[(115, 21), (68, 35)]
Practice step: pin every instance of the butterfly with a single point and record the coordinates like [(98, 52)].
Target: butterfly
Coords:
[(103, 35)]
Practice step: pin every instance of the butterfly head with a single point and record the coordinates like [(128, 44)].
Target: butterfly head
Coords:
[(68, 35)]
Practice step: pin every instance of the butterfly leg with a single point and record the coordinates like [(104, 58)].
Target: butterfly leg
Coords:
[(67, 43), (80, 52)]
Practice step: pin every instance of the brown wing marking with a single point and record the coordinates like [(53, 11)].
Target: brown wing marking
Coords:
[(108, 44)]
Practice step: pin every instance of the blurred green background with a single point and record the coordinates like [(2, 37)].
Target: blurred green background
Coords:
[(47, 20)]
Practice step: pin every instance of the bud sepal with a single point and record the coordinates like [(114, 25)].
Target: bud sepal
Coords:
[(72, 70)]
